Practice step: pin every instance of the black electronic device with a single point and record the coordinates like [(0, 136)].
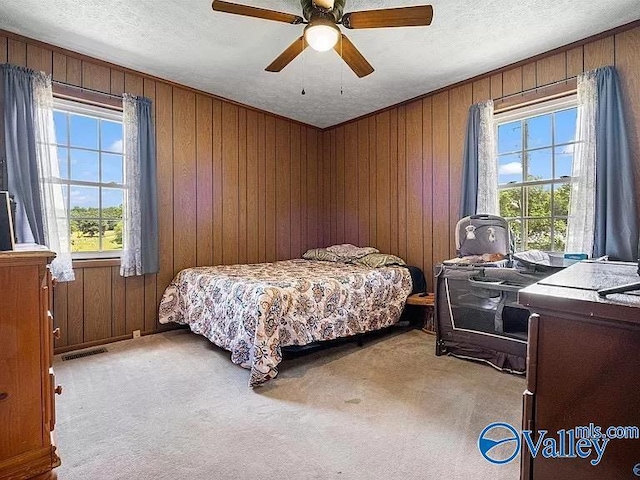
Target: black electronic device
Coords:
[(7, 237)]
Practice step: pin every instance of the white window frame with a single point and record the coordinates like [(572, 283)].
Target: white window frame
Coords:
[(77, 107), (522, 113)]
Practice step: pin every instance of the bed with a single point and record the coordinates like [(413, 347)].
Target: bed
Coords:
[(255, 310)]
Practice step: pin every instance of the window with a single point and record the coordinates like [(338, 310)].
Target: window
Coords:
[(89, 143), (535, 157)]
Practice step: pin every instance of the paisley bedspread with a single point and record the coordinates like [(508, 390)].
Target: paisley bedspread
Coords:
[(254, 310)]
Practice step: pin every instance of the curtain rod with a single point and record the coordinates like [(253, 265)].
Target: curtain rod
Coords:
[(534, 89), (87, 95), (88, 90)]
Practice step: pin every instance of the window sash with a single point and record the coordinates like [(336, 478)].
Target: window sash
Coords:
[(76, 108), (521, 115)]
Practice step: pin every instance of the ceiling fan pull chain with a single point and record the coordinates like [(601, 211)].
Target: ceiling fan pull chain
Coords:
[(341, 67), (304, 61)]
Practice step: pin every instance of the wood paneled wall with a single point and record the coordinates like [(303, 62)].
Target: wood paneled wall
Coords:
[(235, 185), (395, 176)]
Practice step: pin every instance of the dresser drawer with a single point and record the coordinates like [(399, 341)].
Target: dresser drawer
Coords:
[(21, 376)]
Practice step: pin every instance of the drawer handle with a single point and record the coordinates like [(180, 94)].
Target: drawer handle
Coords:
[(3, 396), (58, 390), (56, 333)]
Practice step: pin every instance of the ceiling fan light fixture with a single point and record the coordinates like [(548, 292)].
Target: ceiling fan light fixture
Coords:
[(326, 4), (321, 34)]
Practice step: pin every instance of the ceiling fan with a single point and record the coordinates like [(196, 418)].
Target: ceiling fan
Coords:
[(322, 33)]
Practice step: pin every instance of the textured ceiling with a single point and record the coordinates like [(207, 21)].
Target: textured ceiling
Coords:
[(186, 42)]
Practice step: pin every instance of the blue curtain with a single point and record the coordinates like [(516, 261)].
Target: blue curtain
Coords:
[(20, 151), (469, 201), (148, 188), (616, 227)]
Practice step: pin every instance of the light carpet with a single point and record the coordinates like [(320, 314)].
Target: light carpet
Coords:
[(173, 406)]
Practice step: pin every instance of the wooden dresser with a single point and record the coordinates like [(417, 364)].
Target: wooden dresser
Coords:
[(583, 369), (27, 383)]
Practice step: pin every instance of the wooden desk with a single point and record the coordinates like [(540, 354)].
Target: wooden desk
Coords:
[(425, 304), (583, 367)]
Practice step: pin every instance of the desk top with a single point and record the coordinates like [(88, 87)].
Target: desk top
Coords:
[(575, 290)]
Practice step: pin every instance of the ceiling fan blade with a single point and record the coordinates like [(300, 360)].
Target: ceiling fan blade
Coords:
[(390, 17), (255, 12), (286, 57), (352, 56)]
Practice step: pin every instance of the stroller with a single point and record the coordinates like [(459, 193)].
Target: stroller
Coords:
[(476, 309)]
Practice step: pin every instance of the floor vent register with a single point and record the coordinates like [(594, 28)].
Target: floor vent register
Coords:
[(84, 353)]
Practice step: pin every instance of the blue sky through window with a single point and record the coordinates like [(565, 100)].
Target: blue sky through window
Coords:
[(542, 132), (89, 139)]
